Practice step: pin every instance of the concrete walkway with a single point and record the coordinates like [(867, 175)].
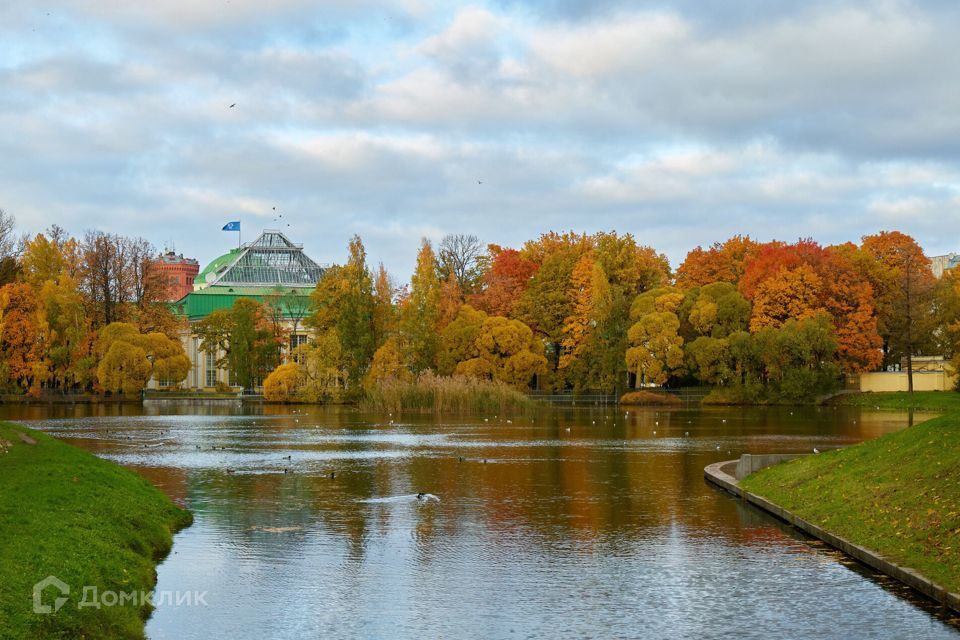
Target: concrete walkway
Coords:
[(721, 474)]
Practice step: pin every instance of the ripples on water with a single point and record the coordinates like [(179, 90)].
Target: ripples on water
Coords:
[(560, 523)]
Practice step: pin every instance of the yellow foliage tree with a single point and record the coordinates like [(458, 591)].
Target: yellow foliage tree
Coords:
[(129, 359), (324, 371), (656, 346), (387, 365), (506, 350), (282, 385)]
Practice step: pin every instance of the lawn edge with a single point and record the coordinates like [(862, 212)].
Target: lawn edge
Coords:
[(715, 474)]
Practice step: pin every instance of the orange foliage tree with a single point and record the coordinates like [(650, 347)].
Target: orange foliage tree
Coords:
[(722, 262), (504, 281), (801, 279)]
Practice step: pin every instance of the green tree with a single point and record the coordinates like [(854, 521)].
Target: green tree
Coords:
[(421, 313), (355, 313), (241, 340)]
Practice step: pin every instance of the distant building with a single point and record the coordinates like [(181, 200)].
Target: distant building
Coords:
[(271, 265), (940, 264), (178, 272)]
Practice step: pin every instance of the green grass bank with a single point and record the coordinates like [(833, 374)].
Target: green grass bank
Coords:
[(64, 512), (898, 495), (946, 401)]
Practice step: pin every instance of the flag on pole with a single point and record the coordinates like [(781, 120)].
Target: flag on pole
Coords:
[(232, 226)]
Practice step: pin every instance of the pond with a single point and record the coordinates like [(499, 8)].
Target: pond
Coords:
[(563, 522)]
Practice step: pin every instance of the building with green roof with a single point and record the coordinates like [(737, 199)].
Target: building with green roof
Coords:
[(270, 266)]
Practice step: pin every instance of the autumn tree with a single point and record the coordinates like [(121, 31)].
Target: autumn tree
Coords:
[(385, 318), (282, 384), (24, 357), (722, 262), (324, 376), (421, 313), (546, 303), (500, 349), (128, 359), (388, 365), (656, 347), (709, 316), (355, 326), (904, 287), (803, 279), (458, 341), (503, 282), (789, 293), (241, 340), (451, 299)]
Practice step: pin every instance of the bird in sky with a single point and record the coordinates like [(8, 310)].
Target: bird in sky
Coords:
[(233, 105)]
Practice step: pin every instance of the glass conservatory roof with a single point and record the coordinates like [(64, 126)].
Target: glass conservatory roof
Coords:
[(268, 261)]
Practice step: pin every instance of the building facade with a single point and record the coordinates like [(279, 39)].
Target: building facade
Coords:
[(269, 268), (941, 264)]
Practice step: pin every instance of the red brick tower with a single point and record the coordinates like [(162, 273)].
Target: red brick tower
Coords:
[(178, 272)]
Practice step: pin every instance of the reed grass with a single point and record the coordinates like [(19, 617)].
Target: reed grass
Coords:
[(444, 394)]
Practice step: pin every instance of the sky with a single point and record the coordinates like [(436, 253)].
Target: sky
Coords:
[(681, 122)]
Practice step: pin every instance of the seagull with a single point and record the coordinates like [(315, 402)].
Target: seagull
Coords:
[(232, 106), (815, 450)]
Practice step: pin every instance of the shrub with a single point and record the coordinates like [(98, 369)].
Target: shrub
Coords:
[(650, 398)]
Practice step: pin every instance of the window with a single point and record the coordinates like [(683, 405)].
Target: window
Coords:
[(296, 340), (211, 367)]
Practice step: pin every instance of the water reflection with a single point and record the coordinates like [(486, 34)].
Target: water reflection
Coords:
[(570, 523)]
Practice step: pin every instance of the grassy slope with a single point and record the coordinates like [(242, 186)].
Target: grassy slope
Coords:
[(67, 513), (901, 400), (898, 494)]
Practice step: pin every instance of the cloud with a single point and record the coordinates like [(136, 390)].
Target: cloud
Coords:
[(682, 122)]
